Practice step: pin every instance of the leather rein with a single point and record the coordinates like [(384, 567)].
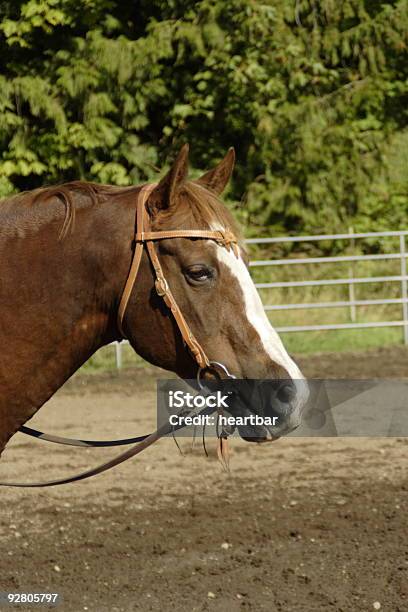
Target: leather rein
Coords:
[(144, 236)]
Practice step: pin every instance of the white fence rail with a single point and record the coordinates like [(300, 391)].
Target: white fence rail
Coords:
[(402, 279), (352, 303)]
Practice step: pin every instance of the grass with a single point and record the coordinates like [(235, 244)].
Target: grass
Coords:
[(104, 360), (300, 343), (339, 341)]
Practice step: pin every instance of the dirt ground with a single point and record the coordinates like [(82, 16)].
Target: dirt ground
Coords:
[(304, 524)]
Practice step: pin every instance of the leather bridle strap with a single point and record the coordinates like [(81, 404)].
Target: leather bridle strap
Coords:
[(143, 442), (131, 452), (145, 235), (163, 290), (137, 258), (41, 435)]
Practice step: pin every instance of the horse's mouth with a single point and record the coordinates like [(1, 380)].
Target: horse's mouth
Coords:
[(261, 416), (261, 439), (262, 434)]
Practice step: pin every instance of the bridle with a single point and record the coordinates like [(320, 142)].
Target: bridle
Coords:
[(145, 236)]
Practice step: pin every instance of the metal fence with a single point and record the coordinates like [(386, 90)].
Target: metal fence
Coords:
[(351, 282), (352, 303)]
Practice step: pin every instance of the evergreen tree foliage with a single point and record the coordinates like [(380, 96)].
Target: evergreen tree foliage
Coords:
[(313, 94)]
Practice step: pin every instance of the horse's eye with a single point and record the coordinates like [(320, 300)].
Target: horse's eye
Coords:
[(199, 273)]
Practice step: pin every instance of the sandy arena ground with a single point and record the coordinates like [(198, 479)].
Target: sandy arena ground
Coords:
[(302, 525)]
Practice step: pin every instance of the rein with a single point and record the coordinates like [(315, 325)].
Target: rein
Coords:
[(144, 236)]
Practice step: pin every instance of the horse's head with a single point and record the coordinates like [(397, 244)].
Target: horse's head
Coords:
[(214, 291)]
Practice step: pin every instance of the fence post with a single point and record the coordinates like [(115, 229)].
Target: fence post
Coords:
[(351, 289), (404, 287), (118, 355)]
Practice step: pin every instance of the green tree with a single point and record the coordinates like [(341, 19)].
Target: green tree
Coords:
[(313, 95)]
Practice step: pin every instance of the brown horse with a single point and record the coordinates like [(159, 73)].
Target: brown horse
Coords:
[(65, 253)]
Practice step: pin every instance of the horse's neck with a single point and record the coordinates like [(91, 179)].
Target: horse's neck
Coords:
[(58, 301)]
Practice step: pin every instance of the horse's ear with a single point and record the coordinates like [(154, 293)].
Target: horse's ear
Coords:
[(165, 194), (217, 178)]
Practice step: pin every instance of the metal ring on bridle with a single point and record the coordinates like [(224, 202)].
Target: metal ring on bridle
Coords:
[(213, 366)]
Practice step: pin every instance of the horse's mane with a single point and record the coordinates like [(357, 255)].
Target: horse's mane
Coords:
[(197, 206), (69, 194)]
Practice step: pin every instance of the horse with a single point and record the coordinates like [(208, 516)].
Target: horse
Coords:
[(65, 256)]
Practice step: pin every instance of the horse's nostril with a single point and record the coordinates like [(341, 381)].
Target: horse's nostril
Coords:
[(286, 393)]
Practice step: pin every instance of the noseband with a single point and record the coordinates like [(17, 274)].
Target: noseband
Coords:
[(144, 236)]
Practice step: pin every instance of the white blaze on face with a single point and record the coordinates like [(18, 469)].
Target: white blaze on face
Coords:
[(256, 315)]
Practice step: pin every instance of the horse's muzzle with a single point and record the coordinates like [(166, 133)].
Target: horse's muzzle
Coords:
[(278, 406)]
